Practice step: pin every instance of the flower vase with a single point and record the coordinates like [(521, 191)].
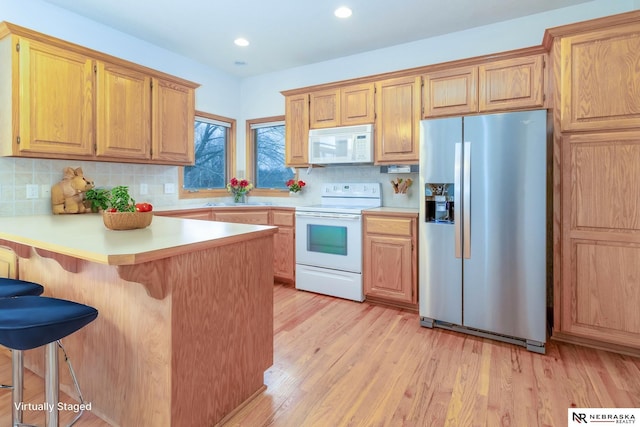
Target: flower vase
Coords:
[(294, 193), (240, 198)]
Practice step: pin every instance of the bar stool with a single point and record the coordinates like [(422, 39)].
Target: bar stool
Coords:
[(17, 288), (28, 322), (14, 288)]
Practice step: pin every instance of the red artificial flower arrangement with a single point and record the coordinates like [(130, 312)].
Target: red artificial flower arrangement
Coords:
[(295, 186)]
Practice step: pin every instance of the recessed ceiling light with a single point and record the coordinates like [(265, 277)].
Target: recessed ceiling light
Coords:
[(241, 42), (342, 12)]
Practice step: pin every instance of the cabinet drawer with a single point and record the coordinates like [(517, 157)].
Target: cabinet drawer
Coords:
[(388, 225), (282, 218), (258, 218)]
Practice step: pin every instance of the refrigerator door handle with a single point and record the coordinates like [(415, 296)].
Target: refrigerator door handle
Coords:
[(456, 199), (466, 201)]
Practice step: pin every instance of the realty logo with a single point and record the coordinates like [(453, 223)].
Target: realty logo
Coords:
[(579, 417)]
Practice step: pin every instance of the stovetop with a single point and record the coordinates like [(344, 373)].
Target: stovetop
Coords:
[(346, 198)]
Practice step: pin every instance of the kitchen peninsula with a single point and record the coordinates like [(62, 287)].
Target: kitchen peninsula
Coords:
[(185, 325)]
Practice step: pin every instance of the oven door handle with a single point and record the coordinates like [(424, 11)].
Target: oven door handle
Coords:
[(354, 217)]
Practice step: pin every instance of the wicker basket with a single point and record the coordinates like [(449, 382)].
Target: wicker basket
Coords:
[(126, 220)]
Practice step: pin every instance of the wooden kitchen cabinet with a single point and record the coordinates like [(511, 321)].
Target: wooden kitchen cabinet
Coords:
[(242, 215), (599, 294), (502, 85), (284, 244), (390, 273), (511, 84), (450, 92), (397, 124), (600, 79), (297, 130), (46, 106), (344, 106), (172, 132), (123, 111), (63, 101), (8, 263), (199, 213)]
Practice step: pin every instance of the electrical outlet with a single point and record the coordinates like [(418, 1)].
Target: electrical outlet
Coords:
[(169, 188), (32, 191), (45, 191), (144, 189)]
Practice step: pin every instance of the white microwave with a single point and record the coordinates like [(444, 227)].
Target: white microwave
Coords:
[(341, 145)]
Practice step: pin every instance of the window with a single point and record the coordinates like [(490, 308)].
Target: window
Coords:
[(214, 157), (266, 156)]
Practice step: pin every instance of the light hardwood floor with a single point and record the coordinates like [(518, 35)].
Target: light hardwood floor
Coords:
[(342, 363)]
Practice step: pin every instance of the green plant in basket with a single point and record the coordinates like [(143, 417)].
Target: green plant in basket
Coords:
[(98, 198), (120, 200)]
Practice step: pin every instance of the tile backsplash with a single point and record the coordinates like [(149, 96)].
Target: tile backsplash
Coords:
[(17, 173)]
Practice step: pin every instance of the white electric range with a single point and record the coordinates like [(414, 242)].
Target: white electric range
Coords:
[(329, 240)]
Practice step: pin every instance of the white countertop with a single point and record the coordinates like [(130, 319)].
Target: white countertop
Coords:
[(84, 236)]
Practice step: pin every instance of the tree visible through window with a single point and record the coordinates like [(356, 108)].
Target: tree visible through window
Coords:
[(212, 154), (268, 149)]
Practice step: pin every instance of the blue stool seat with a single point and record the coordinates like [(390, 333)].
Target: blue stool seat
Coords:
[(16, 288), (30, 321)]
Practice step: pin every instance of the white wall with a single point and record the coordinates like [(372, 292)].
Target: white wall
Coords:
[(256, 96)]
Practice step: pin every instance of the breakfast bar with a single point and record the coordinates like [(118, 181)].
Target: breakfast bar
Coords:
[(185, 326)]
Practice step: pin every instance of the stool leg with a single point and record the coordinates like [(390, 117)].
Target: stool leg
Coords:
[(51, 384), (17, 368)]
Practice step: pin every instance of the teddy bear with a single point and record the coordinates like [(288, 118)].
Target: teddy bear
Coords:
[(67, 196)]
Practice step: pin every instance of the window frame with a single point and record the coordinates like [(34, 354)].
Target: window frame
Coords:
[(230, 161), (251, 155)]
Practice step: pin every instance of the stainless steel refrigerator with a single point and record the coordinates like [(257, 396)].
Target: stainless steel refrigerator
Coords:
[(483, 226)]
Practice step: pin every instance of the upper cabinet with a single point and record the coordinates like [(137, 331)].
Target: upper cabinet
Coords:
[(62, 101), (397, 125), (599, 79), (173, 108), (502, 85), (123, 113), (511, 84), (297, 130), (47, 107), (450, 92), (345, 106)]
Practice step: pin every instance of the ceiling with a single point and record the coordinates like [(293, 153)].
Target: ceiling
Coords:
[(291, 33)]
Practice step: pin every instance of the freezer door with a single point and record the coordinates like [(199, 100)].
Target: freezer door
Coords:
[(505, 276), (440, 272)]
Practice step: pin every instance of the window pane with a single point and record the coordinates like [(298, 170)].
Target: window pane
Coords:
[(270, 169), (209, 170)]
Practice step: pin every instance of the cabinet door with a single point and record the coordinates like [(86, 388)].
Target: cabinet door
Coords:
[(284, 256), (54, 101), (397, 126), (173, 123), (324, 108), (357, 104), (511, 84), (123, 106), (388, 270), (204, 214), (297, 130), (389, 258), (599, 294), (450, 92), (600, 79), (8, 263)]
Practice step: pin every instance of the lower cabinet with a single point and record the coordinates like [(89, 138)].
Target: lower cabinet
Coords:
[(284, 253), (390, 273), (284, 245), (8, 263)]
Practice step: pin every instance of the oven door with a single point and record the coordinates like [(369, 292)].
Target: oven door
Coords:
[(329, 240)]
